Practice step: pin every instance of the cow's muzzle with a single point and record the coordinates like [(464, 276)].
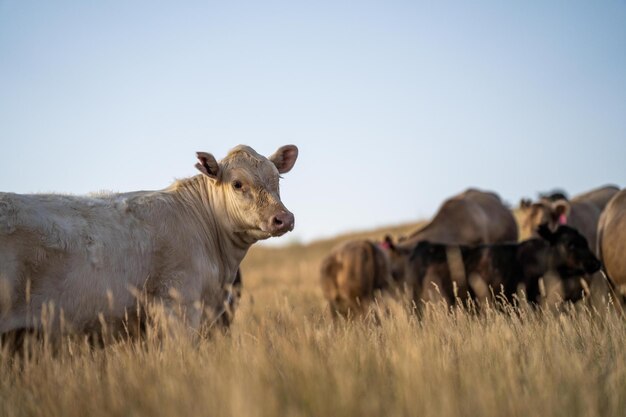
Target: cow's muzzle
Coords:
[(281, 223)]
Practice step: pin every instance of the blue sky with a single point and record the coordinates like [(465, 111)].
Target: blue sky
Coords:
[(394, 105)]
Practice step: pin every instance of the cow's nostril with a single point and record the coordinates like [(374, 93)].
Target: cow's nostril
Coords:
[(281, 222)]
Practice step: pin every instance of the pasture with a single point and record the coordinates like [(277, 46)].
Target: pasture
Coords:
[(360, 115), (285, 357)]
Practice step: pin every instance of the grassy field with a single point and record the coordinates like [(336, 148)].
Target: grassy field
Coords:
[(285, 357)]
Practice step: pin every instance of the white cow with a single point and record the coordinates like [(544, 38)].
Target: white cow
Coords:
[(179, 246)]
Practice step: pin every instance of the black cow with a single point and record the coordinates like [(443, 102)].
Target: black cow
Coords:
[(462, 272)]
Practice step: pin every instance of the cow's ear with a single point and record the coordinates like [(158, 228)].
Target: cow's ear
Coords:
[(208, 165), (387, 243), (525, 203), (285, 158), (545, 233)]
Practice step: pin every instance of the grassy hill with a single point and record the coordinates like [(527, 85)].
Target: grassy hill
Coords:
[(285, 357)]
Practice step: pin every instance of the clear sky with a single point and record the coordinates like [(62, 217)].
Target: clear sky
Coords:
[(394, 105)]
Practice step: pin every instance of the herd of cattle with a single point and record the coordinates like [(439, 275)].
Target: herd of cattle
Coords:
[(77, 263), (474, 249)]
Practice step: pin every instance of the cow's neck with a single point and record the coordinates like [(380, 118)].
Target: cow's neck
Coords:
[(204, 205), (429, 232)]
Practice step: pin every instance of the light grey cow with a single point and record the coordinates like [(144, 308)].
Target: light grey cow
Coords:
[(179, 246)]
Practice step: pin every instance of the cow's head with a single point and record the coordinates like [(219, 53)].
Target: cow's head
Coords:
[(247, 184), (550, 212), (398, 259), (571, 257)]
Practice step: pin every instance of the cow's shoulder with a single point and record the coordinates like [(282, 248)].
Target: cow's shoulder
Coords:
[(8, 213), (585, 211)]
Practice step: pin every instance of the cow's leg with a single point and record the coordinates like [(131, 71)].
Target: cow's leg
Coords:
[(17, 341), (220, 316), (10, 272), (172, 316)]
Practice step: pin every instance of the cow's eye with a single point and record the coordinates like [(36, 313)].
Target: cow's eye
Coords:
[(237, 185)]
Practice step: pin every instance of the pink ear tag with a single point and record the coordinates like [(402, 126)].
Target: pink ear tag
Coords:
[(562, 219), (384, 245)]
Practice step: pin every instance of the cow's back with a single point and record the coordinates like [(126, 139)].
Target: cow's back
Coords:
[(598, 197), (72, 251), (470, 218), (612, 239), (351, 273), (501, 225)]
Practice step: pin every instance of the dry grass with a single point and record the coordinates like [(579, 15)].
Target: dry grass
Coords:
[(284, 357)]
